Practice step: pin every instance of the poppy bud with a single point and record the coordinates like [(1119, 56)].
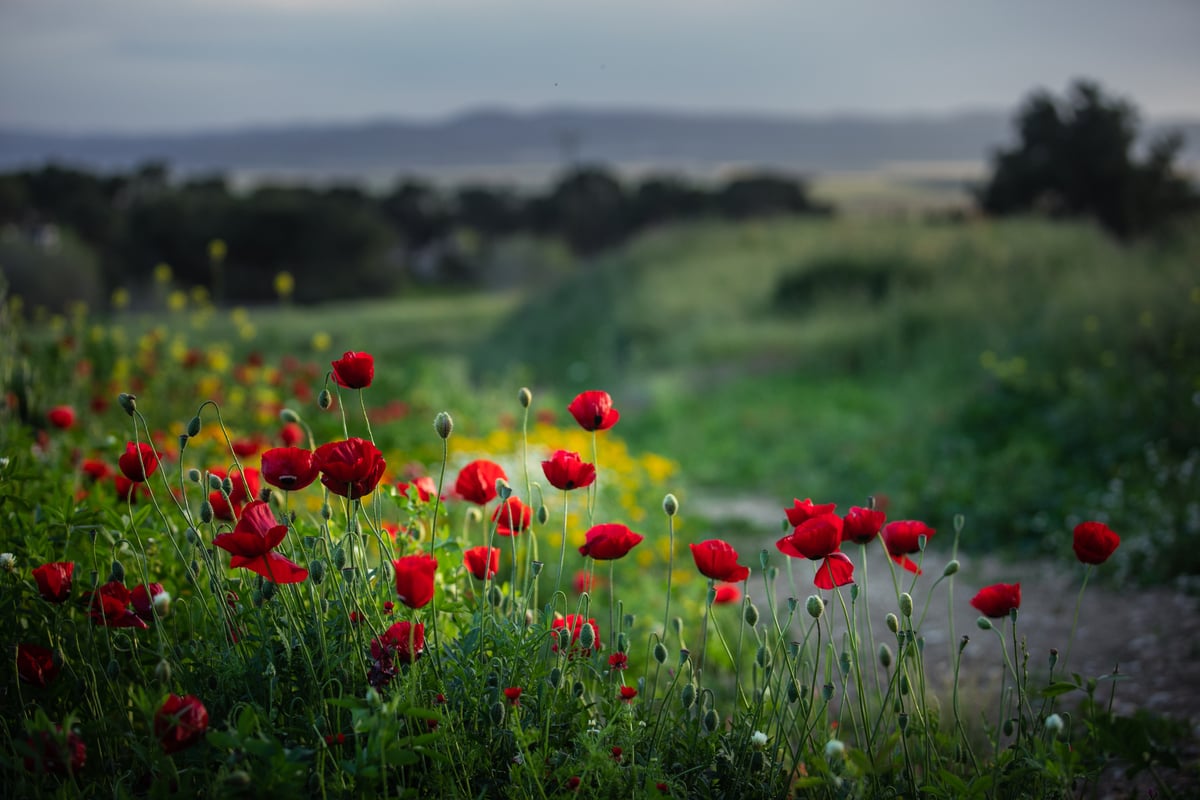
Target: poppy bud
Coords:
[(127, 402), (183, 440), (525, 397), (885, 656), (536, 567), (113, 669), (670, 505), (906, 604), (815, 606), (905, 684), (339, 557), (711, 720), (962, 645), (214, 483), (118, 572), (687, 696), (750, 614), (577, 688), (902, 721), (853, 592), (324, 399), (1008, 727), (827, 692), (192, 537), (984, 623), (503, 490), (443, 423), (556, 677), (793, 691), (288, 415), (495, 597), (206, 512), (951, 568), (193, 427), (660, 653), (543, 515), (762, 657), (893, 623), (194, 475), (587, 637), (844, 663), (162, 673), (1053, 657), (684, 655), (622, 642), (677, 625), (316, 571), (227, 485), (326, 512)]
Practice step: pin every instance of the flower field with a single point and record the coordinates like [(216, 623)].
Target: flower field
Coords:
[(230, 573)]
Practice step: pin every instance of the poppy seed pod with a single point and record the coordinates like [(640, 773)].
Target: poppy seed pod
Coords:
[(316, 571), (660, 653), (815, 606), (194, 475), (906, 604), (587, 637), (711, 720), (525, 397), (751, 614), (951, 568), (687, 696), (443, 423), (671, 505), (193, 427), (324, 400), (984, 623)]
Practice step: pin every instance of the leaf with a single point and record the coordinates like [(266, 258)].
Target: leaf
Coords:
[(1058, 688)]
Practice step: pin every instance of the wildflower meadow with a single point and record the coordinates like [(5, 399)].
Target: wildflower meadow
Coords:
[(233, 573)]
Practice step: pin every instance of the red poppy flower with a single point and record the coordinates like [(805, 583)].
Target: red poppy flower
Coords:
[(252, 544), (609, 541), (128, 490), (565, 470), (95, 469), (414, 579), (628, 693), (404, 641), (477, 481), (618, 661), (246, 446), (482, 562), (242, 492), (727, 593), (421, 489), (836, 569), (997, 600), (594, 411), (180, 722), (815, 538), (35, 664), (61, 417), (54, 580), (862, 524), (574, 623), (56, 754), (904, 537), (583, 582), (145, 597), (717, 559), (512, 516), (288, 468), (804, 510), (291, 434), (1094, 542), (110, 607), (138, 462), (513, 695), (351, 468), (354, 370)]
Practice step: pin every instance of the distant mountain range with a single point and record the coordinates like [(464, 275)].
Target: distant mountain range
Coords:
[(493, 144)]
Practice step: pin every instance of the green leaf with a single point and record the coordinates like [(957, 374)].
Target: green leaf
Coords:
[(1059, 688)]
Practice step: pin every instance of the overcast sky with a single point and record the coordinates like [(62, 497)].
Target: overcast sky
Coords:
[(154, 65)]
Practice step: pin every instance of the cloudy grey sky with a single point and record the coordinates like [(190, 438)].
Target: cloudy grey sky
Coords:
[(154, 65)]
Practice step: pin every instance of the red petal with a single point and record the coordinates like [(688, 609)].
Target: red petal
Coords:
[(245, 543), (787, 548), (908, 564), (836, 570), (273, 567)]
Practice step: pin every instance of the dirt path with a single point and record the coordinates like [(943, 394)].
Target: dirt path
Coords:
[(1153, 634)]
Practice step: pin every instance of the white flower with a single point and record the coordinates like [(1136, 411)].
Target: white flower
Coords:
[(8, 562), (758, 740), (834, 749), (1054, 724)]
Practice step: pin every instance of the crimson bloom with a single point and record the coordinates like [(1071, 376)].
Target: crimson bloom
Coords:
[(291, 434), (818, 539), (904, 537), (862, 524), (180, 722), (422, 489), (513, 695), (717, 559), (252, 544), (138, 462), (997, 600), (54, 580), (56, 754), (512, 516), (574, 623), (354, 370), (245, 487), (609, 541), (1094, 542), (95, 469), (628, 693), (727, 593), (414, 579), (350, 468), (404, 641), (594, 411), (288, 468), (804, 510), (35, 664), (476, 481), (566, 471), (618, 661), (145, 596), (61, 417), (482, 562), (110, 607)]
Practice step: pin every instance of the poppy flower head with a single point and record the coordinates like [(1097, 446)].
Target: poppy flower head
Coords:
[(288, 468), (61, 417), (594, 411), (54, 580), (565, 470), (421, 489), (35, 664), (804, 510), (252, 544), (1094, 542), (56, 754), (727, 593), (717, 559), (627, 693), (997, 600), (902, 538), (513, 695), (95, 469), (815, 538), (618, 661), (110, 607), (350, 468), (574, 623), (138, 462), (414, 579), (354, 370), (404, 641), (482, 562), (180, 722), (862, 524), (291, 434), (149, 598), (476, 481), (512, 516), (609, 541)]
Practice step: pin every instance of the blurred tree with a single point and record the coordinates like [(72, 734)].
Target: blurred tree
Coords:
[(1076, 158), (765, 193)]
